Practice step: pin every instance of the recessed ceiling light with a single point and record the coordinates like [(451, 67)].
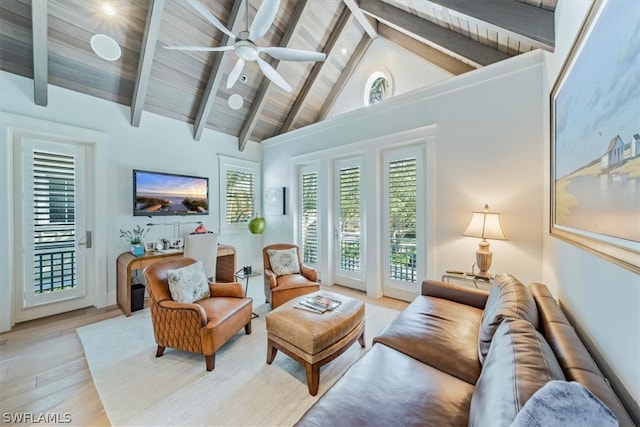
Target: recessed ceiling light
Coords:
[(235, 101), (109, 9), (344, 51), (105, 47)]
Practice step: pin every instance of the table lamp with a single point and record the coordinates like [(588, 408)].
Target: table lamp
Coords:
[(485, 225)]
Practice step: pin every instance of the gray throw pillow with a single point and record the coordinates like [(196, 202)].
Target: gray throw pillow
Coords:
[(508, 299), (188, 284), (284, 261)]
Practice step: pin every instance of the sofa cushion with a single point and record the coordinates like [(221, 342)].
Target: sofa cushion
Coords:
[(188, 284), (519, 363), (388, 388), (284, 261), (508, 299), (439, 332), (565, 403)]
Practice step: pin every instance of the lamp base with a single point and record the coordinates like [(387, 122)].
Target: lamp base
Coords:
[(483, 259)]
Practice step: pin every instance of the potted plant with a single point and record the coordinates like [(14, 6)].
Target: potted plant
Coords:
[(134, 237)]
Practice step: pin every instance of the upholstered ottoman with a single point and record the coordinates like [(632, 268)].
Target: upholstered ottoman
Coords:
[(314, 339)]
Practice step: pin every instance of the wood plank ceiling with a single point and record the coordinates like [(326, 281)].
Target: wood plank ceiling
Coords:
[(48, 41)]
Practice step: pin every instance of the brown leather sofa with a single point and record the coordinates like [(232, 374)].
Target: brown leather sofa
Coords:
[(424, 369), (280, 289)]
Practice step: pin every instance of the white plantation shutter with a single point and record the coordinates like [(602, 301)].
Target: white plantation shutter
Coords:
[(310, 218), (350, 254), (54, 227), (240, 196), (402, 214)]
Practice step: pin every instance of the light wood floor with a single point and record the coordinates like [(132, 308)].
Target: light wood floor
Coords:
[(43, 369)]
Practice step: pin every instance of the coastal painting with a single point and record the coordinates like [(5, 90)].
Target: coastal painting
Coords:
[(595, 135)]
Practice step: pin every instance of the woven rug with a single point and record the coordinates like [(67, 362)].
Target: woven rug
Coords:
[(138, 389)]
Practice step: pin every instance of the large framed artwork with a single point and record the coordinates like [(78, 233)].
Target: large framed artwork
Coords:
[(595, 137)]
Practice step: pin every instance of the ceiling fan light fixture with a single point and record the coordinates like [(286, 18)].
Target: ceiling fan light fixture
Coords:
[(246, 50), (235, 101)]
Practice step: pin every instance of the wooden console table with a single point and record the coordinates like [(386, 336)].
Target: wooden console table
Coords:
[(127, 263)]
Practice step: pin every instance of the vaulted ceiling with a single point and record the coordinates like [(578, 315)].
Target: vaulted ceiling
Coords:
[(49, 42)]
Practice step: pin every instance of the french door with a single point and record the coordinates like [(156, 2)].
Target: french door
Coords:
[(350, 248), (51, 214)]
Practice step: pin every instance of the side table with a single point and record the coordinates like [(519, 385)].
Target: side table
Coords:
[(241, 276), (464, 277)]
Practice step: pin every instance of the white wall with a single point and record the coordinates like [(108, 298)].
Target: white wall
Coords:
[(406, 71), (158, 144), (602, 297), (487, 150)]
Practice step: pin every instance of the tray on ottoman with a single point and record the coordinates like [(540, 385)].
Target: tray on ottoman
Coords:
[(314, 339)]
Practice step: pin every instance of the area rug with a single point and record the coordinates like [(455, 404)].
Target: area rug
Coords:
[(138, 389)]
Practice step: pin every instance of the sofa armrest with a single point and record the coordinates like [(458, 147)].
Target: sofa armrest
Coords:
[(309, 273), (183, 311), (461, 294), (226, 290)]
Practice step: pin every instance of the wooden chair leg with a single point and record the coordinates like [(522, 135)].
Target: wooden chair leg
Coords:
[(159, 351), (271, 352), (247, 328), (313, 377), (210, 361)]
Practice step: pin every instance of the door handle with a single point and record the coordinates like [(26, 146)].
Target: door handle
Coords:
[(89, 242)]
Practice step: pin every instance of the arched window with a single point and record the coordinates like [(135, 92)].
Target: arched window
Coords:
[(378, 88)]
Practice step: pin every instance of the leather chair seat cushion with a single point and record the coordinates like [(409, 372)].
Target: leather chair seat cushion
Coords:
[(519, 363), (290, 281), (314, 332), (388, 388), (438, 332), (221, 309), (508, 299)]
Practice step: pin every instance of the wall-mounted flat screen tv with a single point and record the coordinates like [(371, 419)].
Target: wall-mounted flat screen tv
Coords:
[(158, 193)]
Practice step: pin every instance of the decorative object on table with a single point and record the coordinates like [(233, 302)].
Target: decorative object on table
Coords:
[(246, 270), (165, 244), (200, 228), (257, 224), (595, 138), (177, 243), (485, 225), (150, 246), (134, 238)]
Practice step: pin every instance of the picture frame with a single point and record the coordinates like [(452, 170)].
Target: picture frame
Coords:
[(177, 243), (150, 246), (595, 138)]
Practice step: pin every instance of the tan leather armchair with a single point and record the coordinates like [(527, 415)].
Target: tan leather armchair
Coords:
[(202, 327), (280, 289)]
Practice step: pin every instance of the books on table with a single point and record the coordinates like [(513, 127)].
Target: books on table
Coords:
[(317, 303)]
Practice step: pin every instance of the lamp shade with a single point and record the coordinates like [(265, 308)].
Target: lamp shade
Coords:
[(485, 225)]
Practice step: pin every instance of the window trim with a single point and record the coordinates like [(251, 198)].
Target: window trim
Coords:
[(246, 166)]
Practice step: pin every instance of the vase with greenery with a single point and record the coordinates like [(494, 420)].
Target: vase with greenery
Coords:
[(134, 237)]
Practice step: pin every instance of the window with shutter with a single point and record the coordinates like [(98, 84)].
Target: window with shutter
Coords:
[(54, 228), (350, 256), (309, 217), (402, 219), (240, 196)]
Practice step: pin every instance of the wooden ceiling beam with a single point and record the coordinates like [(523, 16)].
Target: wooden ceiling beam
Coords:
[(477, 53), (424, 51), (261, 97), (215, 77), (354, 61), (341, 23), (149, 40), (361, 18), (530, 21), (39, 28)]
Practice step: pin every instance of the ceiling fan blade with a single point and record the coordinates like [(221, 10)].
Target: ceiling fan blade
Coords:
[(235, 73), (272, 74), (287, 54), (209, 17), (264, 18), (200, 48)]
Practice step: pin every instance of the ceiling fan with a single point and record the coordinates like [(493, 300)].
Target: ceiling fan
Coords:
[(245, 47)]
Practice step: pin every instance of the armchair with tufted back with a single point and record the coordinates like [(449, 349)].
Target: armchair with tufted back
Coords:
[(280, 289), (200, 327)]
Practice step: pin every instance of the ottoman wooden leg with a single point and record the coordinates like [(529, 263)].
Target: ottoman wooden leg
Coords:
[(271, 351), (361, 339), (313, 377)]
